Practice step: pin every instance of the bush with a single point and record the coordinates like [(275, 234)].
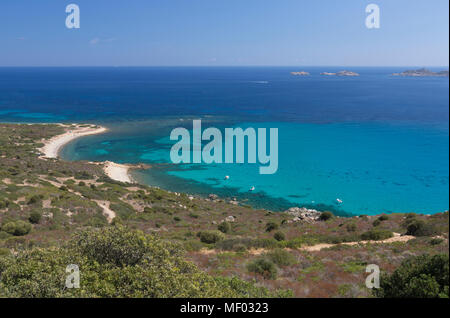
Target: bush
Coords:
[(240, 248), (376, 235), (383, 217), (270, 226), (417, 277), (17, 228), (376, 223), (35, 199), (324, 216), (351, 227), (279, 236), (281, 257), (436, 241), (224, 227), (263, 267), (420, 228), (148, 210), (210, 237), (116, 262), (35, 217)]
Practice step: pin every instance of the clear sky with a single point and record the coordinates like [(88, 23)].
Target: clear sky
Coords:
[(224, 32)]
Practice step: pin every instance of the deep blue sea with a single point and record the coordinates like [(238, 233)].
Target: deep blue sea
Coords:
[(377, 142)]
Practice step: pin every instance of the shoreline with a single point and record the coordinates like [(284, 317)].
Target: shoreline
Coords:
[(53, 146)]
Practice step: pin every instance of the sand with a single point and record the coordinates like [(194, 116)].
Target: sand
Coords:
[(52, 147), (118, 172)]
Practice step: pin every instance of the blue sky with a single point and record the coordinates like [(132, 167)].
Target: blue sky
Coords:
[(224, 32)]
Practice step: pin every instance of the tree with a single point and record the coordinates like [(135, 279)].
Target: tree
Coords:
[(422, 276)]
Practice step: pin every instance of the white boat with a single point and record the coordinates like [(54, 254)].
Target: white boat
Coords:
[(227, 177), (339, 201), (252, 188)]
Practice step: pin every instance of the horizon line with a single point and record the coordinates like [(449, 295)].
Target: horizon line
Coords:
[(130, 66)]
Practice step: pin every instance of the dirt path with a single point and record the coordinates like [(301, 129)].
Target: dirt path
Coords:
[(110, 214), (104, 205), (397, 238), (318, 247)]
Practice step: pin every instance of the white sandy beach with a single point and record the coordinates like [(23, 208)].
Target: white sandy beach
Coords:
[(118, 172), (51, 148)]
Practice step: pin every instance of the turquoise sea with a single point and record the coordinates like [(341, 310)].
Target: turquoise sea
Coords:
[(379, 143)]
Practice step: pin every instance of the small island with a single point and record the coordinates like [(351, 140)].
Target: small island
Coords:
[(302, 73), (422, 72), (341, 73)]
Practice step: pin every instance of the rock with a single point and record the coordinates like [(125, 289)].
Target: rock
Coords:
[(303, 214), (422, 72), (213, 197), (341, 73), (191, 197), (327, 73), (230, 219), (346, 73), (302, 73)]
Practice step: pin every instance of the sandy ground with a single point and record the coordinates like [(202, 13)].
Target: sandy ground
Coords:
[(53, 146), (118, 172)]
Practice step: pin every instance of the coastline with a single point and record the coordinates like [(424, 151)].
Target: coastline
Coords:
[(53, 146)]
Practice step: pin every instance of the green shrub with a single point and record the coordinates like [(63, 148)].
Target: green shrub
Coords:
[(263, 267), (240, 248), (270, 226), (383, 217), (376, 222), (420, 228), (281, 257), (324, 216), (148, 210), (35, 217), (436, 241), (376, 235), (4, 252), (351, 227), (224, 227), (210, 237), (116, 262), (417, 277), (279, 236), (176, 219), (35, 199), (4, 204), (17, 228)]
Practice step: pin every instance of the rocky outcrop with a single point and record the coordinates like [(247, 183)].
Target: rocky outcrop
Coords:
[(341, 73), (303, 214), (302, 73), (422, 72)]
